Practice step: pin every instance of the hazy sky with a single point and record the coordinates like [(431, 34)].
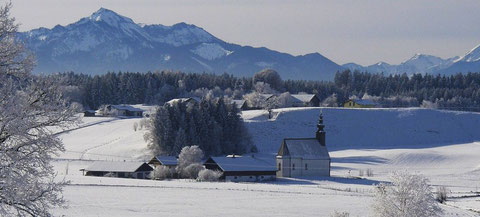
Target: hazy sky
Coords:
[(361, 31)]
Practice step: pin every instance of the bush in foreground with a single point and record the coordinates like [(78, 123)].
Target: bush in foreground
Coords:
[(406, 195)]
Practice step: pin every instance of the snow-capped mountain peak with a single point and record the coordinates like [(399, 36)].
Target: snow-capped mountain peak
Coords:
[(382, 64), (471, 56), (424, 61), (109, 17)]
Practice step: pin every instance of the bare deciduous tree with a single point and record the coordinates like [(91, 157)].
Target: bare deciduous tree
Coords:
[(30, 108)]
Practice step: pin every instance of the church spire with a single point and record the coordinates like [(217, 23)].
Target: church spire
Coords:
[(320, 135)]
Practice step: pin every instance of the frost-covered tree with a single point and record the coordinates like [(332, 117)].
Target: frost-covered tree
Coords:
[(192, 171), (330, 101), (255, 100), (407, 195), (207, 175), (270, 77), (190, 155), (284, 100), (162, 172), (264, 88), (30, 108), (213, 125)]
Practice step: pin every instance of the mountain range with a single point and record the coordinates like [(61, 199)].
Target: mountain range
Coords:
[(422, 63), (107, 41)]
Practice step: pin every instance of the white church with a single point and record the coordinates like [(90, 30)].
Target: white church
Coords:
[(304, 156)]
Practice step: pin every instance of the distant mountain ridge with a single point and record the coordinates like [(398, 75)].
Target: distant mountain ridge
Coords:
[(422, 63), (107, 41)]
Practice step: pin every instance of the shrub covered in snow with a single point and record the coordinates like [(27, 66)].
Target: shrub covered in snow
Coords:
[(207, 175), (162, 172), (192, 170), (189, 162), (406, 195)]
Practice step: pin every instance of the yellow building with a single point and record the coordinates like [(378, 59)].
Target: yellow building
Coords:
[(359, 103)]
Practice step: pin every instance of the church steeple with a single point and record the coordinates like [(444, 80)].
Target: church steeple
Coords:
[(320, 135)]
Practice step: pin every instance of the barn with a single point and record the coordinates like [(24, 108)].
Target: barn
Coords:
[(125, 110), (121, 169), (304, 156), (242, 168), (168, 161)]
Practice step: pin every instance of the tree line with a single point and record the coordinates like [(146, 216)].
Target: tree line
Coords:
[(458, 92)]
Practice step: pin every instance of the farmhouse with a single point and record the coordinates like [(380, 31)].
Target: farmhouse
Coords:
[(241, 104), (305, 100), (124, 110), (136, 170), (168, 161), (360, 103), (304, 156), (242, 168)]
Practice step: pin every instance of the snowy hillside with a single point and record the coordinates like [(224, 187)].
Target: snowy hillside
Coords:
[(470, 62), (366, 128), (443, 145)]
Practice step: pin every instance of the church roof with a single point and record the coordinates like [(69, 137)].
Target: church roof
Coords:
[(305, 148)]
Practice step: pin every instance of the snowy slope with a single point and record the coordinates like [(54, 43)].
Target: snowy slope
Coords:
[(470, 62), (211, 51), (366, 128), (471, 56), (114, 139), (443, 145)]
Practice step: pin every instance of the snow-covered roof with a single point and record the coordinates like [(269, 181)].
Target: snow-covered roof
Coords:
[(116, 166), (305, 148), (182, 100), (364, 102), (167, 160), (245, 163), (127, 107), (303, 97), (238, 102), (267, 96)]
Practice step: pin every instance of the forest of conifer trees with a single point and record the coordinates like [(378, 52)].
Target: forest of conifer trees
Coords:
[(456, 92)]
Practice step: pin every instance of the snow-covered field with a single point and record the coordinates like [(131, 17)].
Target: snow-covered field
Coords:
[(442, 145)]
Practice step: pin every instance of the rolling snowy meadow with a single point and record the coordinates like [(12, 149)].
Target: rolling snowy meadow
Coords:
[(366, 145)]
